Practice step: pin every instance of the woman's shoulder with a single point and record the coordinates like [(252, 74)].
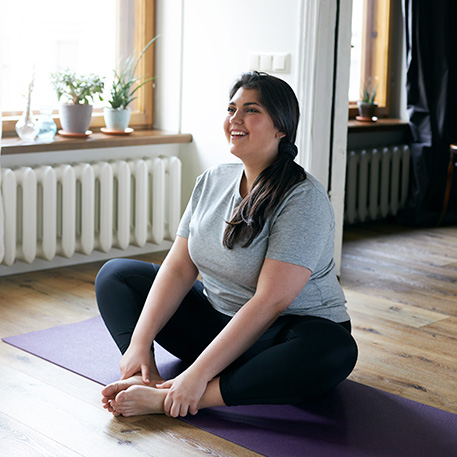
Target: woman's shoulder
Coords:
[(310, 186), (307, 196), (225, 171)]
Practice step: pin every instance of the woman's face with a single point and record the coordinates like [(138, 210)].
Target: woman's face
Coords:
[(249, 129)]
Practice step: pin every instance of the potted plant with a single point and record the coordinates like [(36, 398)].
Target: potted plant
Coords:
[(78, 90), (367, 106), (125, 85)]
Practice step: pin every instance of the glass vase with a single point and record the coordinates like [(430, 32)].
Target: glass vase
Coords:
[(26, 126), (47, 128)]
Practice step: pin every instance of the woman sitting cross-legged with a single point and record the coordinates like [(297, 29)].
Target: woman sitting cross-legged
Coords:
[(267, 323)]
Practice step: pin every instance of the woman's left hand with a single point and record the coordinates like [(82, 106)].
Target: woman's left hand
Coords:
[(185, 392)]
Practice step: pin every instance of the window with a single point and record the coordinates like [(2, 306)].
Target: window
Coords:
[(39, 38), (371, 52)]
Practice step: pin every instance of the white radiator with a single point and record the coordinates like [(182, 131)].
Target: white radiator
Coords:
[(376, 183), (79, 208)]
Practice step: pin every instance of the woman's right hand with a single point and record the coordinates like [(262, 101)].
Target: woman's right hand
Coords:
[(136, 360), (164, 298)]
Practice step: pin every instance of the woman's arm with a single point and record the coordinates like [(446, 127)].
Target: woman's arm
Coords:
[(174, 280), (278, 285)]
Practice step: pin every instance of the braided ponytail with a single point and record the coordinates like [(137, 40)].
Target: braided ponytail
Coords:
[(273, 182)]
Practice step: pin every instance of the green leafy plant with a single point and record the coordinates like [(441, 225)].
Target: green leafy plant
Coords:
[(77, 89), (368, 94), (125, 82)]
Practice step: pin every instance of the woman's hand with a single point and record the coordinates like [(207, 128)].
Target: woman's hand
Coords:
[(173, 281), (136, 360), (186, 391)]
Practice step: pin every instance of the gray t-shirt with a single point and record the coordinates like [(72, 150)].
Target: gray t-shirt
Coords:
[(300, 231)]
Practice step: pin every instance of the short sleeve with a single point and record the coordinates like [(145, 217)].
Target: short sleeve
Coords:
[(184, 224), (302, 231)]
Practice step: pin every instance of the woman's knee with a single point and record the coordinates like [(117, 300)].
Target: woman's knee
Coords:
[(107, 272), (343, 357), (123, 269), (338, 345), (104, 282), (339, 357), (121, 280), (328, 347), (117, 276)]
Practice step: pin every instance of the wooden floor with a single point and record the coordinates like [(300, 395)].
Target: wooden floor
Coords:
[(401, 287), (402, 296)]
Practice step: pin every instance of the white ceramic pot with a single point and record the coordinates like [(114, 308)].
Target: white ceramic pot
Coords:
[(75, 118), (116, 119)]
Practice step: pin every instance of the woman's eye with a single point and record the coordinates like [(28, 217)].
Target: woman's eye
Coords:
[(230, 110), (252, 110)]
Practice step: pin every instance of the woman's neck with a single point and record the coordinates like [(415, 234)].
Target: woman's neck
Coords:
[(249, 176), (251, 172)]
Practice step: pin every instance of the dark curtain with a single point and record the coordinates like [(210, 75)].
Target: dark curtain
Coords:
[(431, 40)]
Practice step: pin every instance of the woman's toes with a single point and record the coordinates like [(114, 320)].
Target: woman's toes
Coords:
[(138, 400), (121, 397), (111, 390)]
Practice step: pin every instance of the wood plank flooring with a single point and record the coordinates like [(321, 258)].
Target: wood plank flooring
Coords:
[(401, 286)]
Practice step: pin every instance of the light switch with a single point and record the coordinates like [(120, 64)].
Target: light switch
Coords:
[(254, 61), (269, 62), (266, 62), (280, 62)]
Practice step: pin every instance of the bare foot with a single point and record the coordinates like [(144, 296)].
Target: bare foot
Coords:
[(138, 400), (110, 391)]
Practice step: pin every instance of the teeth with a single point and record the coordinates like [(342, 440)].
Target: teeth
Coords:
[(236, 133)]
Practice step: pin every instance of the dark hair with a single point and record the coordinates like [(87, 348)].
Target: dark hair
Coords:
[(271, 185)]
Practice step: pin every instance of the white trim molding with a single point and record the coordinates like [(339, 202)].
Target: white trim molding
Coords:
[(340, 116), (322, 85), (315, 84)]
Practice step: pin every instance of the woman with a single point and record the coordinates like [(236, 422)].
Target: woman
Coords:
[(267, 323)]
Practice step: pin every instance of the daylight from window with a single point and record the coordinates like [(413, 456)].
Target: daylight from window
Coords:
[(356, 50), (41, 37)]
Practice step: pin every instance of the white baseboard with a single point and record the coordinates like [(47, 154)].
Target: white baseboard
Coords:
[(77, 259)]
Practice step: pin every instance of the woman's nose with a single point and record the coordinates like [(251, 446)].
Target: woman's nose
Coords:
[(235, 118)]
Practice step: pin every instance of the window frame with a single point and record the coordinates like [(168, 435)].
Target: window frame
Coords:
[(142, 117), (380, 17)]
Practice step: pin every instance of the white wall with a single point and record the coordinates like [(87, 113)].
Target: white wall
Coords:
[(217, 38), (168, 54), (209, 43)]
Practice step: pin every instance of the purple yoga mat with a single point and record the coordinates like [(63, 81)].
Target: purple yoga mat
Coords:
[(352, 420), (86, 348)]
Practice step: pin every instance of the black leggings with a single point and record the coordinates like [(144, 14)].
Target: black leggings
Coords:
[(296, 359)]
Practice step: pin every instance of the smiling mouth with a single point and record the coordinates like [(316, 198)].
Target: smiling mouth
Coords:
[(238, 133)]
